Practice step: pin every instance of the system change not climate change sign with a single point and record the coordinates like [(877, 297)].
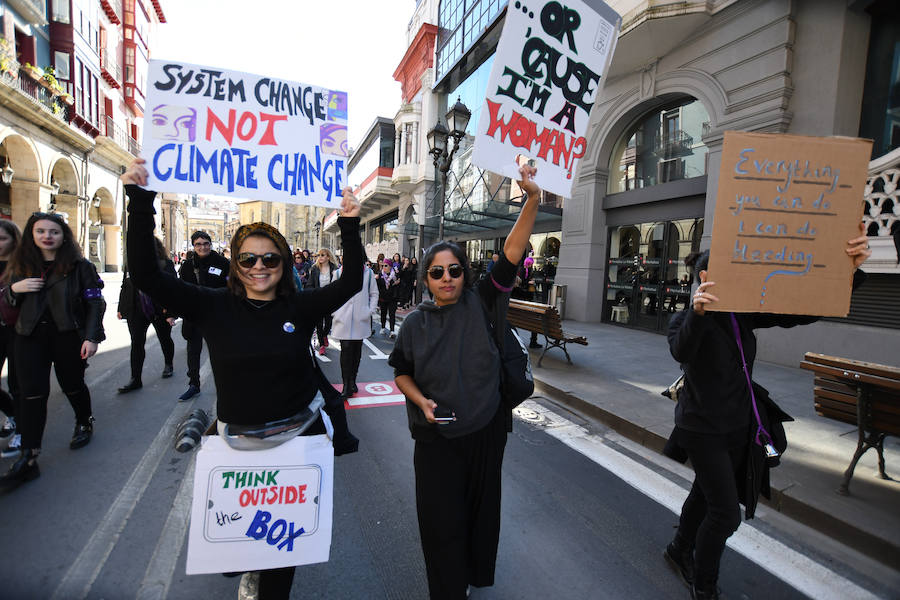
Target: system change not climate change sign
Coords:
[(547, 72), (216, 131)]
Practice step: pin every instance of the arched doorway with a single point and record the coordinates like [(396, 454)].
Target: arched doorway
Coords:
[(20, 177), (104, 245)]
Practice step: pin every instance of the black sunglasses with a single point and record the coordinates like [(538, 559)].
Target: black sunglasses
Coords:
[(270, 260), (437, 271)]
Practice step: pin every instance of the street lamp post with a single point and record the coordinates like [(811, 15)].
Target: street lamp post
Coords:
[(438, 138)]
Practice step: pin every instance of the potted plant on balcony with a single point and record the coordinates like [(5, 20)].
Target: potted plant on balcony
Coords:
[(51, 83), (8, 62), (32, 71)]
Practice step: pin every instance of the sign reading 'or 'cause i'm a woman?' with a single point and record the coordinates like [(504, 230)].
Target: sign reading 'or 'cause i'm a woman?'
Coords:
[(546, 75), (216, 131)]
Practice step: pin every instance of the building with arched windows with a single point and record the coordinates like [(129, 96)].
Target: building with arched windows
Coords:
[(683, 73)]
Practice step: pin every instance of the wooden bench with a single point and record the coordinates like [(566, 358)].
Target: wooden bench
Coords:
[(859, 393), (543, 319)]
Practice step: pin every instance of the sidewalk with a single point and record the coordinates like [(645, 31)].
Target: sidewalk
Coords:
[(618, 377)]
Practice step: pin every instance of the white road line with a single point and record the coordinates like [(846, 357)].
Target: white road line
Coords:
[(378, 354), (795, 569), (158, 576), (372, 400), (77, 582)]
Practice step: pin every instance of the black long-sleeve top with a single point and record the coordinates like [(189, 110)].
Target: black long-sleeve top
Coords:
[(259, 355), (715, 399)]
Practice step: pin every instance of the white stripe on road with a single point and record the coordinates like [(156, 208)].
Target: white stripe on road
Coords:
[(158, 576), (795, 569), (77, 582), (377, 354), (372, 400)]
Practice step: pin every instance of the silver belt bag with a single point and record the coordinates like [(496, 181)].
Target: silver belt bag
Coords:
[(273, 433)]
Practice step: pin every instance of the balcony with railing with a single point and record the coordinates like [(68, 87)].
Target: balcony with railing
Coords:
[(882, 213), (34, 11), (671, 146), (120, 136), (35, 89), (110, 69), (113, 10)]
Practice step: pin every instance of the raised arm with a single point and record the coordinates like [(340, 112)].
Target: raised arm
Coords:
[(517, 240), (325, 300), (177, 296)]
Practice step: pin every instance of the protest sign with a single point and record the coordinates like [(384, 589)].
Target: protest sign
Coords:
[(785, 208), (214, 131), (261, 509), (546, 76)]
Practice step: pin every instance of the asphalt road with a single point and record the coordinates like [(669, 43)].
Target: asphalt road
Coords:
[(586, 514)]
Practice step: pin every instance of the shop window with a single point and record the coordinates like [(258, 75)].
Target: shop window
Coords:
[(664, 145)]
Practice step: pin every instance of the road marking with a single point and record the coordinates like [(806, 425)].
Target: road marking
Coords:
[(158, 576), (377, 354), (392, 400), (795, 569), (77, 582)]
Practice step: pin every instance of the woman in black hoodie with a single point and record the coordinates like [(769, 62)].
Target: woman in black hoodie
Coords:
[(715, 422)]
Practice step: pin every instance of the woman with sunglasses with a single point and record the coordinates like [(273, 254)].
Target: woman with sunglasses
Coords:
[(323, 272), (60, 324), (256, 328), (446, 364)]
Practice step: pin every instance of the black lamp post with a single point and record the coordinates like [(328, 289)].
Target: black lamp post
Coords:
[(438, 140)]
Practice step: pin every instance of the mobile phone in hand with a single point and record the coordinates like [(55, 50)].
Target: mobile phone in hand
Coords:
[(442, 415)]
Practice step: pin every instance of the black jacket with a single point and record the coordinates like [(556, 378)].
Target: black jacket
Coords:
[(210, 271), (129, 299), (312, 281), (74, 300)]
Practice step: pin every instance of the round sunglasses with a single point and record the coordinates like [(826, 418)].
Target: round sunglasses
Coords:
[(437, 271), (270, 260)]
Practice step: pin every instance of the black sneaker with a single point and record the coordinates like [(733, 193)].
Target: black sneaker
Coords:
[(682, 563), (132, 385), (82, 435), (167, 371), (192, 391)]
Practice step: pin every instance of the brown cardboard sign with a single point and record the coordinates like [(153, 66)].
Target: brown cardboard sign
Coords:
[(785, 208)]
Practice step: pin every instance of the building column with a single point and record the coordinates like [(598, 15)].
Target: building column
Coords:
[(415, 133), (396, 147), (403, 135)]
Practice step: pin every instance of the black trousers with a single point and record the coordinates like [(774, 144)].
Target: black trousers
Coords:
[(388, 309), (323, 328), (137, 327), (9, 401), (35, 354), (276, 583), (194, 349), (351, 354), (458, 505), (711, 512)]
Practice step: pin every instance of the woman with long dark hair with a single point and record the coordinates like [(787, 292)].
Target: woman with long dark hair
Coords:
[(448, 367), (256, 328), (10, 237), (140, 311), (716, 420), (60, 324)]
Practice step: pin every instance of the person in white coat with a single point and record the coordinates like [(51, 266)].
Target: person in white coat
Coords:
[(351, 325)]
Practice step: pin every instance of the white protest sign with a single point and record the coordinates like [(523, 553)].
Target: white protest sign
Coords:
[(214, 131), (262, 509), (547, 72)]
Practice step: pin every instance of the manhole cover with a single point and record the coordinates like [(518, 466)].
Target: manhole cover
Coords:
[(526, 414)]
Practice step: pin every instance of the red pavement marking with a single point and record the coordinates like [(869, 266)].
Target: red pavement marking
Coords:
[(374, 393)]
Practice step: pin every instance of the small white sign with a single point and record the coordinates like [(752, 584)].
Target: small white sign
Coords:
[(261, 509)]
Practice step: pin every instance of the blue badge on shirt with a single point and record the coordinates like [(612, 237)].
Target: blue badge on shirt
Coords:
[(288, 327)]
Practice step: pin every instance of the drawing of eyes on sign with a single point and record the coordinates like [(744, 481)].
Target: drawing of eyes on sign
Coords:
[(786, 206), (548, 69), (261, 509), (235, 134)]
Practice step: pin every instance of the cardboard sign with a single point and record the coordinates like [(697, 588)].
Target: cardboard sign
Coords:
[(547, 72), (214, 131), (261, 509), (785, 208)]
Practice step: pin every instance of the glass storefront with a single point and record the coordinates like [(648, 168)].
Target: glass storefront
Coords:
[(646, 280)]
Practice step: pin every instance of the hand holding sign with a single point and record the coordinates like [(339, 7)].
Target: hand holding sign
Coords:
[(136, 173), (858, 248), (349, 205), (702, 297), (526, 180)]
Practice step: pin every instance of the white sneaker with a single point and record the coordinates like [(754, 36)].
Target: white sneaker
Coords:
[(14, 449), (248, 589), (9, 427)]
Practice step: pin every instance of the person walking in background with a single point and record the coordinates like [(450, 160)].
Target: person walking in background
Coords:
[(353, 324), (206, 268), (448, 367), (524, 290), (407, 280), (323, 272), (60, 324), (10, 237), (140, 311), (388, 284), (717, 421)]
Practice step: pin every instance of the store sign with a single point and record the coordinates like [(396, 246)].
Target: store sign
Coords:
[(785, 208), (214, 131), (548, 70), (261, 509)]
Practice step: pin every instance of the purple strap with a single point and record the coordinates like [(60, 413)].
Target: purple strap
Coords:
[(760, 430), (92, 293), (505, 290)]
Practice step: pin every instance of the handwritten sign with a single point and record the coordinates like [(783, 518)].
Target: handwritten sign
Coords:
[(234, 134), (785, 209), (546, 75), (261, 509)]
